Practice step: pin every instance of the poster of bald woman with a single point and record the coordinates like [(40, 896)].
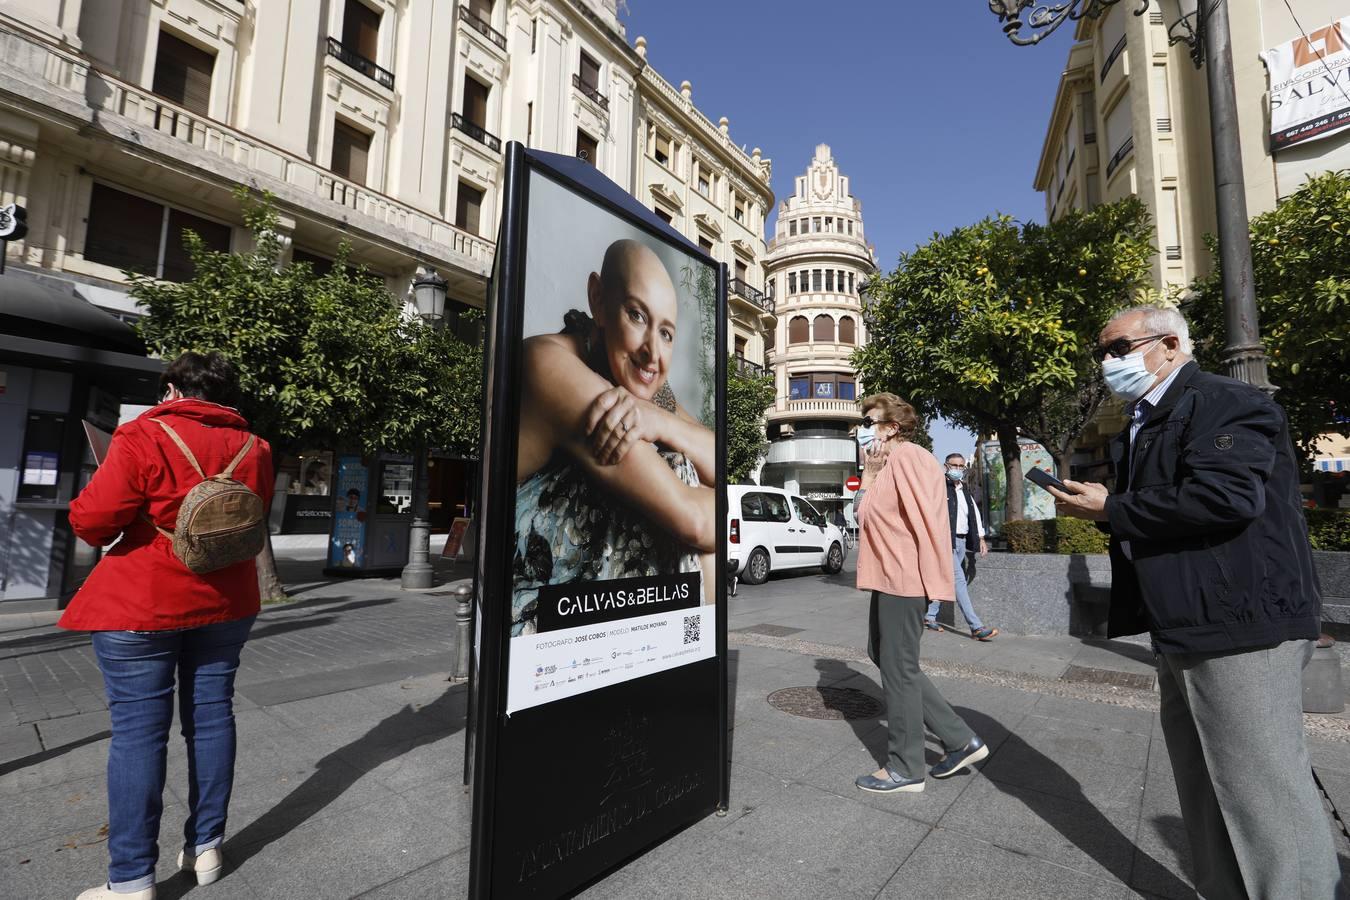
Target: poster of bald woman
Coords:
[(600, 635)]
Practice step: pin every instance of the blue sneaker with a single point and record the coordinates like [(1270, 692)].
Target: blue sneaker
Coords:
[(894, 784), (957, 760)]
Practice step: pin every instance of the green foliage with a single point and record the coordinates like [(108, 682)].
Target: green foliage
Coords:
[(1062, 535), (1301, 263), (748, 395), (324, 360), (1328, 529), (991, 326)]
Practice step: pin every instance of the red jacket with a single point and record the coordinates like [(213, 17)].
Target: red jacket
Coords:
[(140, 585)]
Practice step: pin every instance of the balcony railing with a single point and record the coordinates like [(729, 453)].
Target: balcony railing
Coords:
[(1119, 156), (753, 294), (1113, 56), (823, 406), (746, 367), (349, 57), (477, 132), (591, 91), (482, 27), (133, 115)]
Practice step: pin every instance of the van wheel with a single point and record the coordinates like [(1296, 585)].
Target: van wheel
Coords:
[(756, 567), (834, 560)]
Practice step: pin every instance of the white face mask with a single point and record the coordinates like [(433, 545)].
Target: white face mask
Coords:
[(865, 436), (1128, 377)]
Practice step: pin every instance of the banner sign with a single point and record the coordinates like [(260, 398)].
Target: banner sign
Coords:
[(347, 546), (1310, 86), (600, 613)]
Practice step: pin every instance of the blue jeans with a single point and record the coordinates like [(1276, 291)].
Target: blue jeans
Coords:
[(138, 674), (962, 592)]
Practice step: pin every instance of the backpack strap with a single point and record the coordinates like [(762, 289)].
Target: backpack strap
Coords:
[(238, 458), (182, 446)]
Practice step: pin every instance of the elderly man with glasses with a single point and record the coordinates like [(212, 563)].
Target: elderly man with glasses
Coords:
[(1210, 555)]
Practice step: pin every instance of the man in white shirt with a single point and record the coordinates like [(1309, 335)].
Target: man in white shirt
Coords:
[(967, 537)]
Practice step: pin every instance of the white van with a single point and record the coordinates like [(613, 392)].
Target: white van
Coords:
[(769, 529)]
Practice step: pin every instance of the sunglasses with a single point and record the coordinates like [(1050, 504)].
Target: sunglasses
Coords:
[(869, 422), (1122, 346)]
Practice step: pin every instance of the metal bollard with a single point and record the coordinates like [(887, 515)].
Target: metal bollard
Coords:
[(1323, 686), (463, 613)]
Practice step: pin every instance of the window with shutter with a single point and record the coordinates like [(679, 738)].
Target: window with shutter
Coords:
[(183, 74), (799, 330), (177, 264), (361, 29), (468, 208), (589, 72), (823, 329), (846, 332), (351, 150), (475, 102), (741, 270), (123, 230), (587, 147)]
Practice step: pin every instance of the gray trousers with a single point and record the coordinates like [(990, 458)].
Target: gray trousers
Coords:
[(895, 627), (1233, 723)]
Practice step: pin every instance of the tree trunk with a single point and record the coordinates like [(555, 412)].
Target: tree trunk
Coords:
[(270, 589), (1063, 456), (1011, 451)]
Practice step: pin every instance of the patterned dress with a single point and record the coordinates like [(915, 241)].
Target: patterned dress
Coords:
[(567, 530)]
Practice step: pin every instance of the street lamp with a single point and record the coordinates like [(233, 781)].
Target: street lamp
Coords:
[(428, 290), (1204, 29)]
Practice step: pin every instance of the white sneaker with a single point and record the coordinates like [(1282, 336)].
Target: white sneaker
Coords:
[(208, 866), (102, 892)]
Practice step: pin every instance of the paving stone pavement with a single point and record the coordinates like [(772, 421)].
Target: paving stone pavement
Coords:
[(351, 747)]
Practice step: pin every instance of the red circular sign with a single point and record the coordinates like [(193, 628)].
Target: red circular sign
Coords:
[(853, 483)]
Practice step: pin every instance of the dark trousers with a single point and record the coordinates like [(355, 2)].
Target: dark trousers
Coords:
[(895, 627)]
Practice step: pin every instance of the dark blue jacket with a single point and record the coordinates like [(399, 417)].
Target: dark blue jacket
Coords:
[(1219, 556)]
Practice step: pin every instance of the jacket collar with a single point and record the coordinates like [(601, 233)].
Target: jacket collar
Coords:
[(201, 411), (1174, 392)]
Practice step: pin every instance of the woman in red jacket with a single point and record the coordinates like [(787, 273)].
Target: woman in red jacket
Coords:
[(152, 617)]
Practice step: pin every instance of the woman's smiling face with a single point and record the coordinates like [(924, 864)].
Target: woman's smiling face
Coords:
[(633, 301)]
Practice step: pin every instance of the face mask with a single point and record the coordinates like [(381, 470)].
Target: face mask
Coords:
[(957, 475), (1128, 377), (865, 436)]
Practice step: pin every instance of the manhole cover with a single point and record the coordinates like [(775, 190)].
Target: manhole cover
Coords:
[(825, 703), (768, 630), (1090, 675)]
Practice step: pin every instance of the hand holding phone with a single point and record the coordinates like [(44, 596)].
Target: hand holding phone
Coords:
[(1045, 480)]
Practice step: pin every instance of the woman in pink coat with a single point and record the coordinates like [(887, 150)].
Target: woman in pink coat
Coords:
[(904, 559)]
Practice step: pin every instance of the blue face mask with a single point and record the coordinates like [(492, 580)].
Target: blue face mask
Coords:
[(865, 436), (1128, 377), (957, 475)]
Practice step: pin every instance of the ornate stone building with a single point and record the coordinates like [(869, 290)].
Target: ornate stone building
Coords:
[(818, 259)]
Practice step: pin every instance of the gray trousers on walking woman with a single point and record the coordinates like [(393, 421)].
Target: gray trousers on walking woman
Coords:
[(895, 627), (1234, 729)]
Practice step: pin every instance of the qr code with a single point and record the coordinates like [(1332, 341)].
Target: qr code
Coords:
[(693, 632)]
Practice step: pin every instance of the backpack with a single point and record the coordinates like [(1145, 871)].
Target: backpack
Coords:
[(221, 521)]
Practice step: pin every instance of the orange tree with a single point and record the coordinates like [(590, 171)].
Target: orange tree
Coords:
[(992, 325)]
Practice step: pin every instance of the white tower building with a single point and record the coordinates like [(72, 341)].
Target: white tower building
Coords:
[(817, 261)]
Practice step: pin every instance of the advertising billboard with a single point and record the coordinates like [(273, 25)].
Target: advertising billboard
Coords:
[(601, 634), (1310, 86)]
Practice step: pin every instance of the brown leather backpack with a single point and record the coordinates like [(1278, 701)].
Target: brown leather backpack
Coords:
[(221, 521)]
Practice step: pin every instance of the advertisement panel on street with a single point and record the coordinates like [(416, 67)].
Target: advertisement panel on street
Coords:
[(347, 546), (600, 618), (1310, 85)]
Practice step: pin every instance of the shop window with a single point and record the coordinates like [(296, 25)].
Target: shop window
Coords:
[(132, 233), (351, 152), (468, 208), (183, 74), (823, 329), (846, 330), (799, 330)]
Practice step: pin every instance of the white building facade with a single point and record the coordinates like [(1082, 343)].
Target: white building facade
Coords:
[(817, 262)]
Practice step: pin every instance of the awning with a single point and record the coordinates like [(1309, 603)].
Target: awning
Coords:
[(135, 379), (48, 310), (1333, 464)]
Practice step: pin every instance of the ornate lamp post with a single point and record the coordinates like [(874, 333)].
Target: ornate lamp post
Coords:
[(429, 296), (1204, 29)]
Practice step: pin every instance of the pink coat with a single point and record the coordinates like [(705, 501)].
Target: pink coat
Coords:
[(905, 544)]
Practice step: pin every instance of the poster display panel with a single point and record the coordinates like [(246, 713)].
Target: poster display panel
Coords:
[(602, 620), (347, 546)]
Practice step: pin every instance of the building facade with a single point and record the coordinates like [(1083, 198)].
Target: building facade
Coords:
[(817, 262), (1131, 117), (379, 123)]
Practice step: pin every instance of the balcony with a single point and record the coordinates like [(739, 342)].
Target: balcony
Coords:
[(746, 367), (482, 27), (122, 114), (1119, 156), (1111, 58), (591, 91), (741, 288), (349, 57), (478, 133)]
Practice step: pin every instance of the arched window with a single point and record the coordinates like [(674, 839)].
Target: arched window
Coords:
[(798, 330), (823, 329), (846, 335)]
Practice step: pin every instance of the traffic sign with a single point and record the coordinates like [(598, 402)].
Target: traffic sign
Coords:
[(853, 483)]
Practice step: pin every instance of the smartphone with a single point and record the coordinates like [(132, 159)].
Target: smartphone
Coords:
[(1044, 479)]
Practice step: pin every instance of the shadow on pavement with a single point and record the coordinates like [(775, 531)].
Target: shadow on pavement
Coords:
[(387, 740), (45, 755), (1136, 652)]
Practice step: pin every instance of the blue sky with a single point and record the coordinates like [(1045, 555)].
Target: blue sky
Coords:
[(935, 117)]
